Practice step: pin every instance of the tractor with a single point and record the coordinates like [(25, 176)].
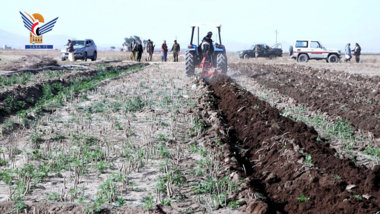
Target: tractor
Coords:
[(200, 56)]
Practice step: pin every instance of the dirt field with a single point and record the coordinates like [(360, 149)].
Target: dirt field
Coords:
[(271, 137), (13, 58), (370, 64)]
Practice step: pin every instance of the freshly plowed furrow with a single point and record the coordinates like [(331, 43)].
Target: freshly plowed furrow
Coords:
[(339, 94), (288, 161)]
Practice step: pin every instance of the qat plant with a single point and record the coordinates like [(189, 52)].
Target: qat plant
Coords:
[(107, 190), (148, 202), (216, 191), (302, 198), (10, 104), (135, 104), (199, 126), (308, 159), (95, 205)]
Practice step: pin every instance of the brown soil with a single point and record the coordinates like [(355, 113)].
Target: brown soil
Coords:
[(31, 61), (349, 96), (273, 150)]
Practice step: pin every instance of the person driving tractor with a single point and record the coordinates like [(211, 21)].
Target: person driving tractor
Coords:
[(207, 47), (206, 54)]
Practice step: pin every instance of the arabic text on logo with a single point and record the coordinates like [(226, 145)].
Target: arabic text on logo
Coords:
[(37, 31)]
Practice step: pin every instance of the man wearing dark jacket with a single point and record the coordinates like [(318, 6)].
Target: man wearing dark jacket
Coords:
[(207, 44), (149, 49), (357, 52), (176, 48), (139, 51)]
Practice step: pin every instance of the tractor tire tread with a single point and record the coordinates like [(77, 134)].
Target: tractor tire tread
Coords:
[(222, 63), (190, 65)]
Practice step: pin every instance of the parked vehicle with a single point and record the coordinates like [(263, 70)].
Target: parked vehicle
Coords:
[(304, 50), (264, 51), (83, 49)]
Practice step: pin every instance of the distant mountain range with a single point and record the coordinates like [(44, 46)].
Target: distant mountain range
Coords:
[(19, 41)]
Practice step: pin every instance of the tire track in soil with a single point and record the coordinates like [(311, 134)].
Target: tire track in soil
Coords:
[(349, 96), (272, 143)]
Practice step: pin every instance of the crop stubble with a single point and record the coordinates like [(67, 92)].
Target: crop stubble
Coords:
[(281, 160), (141, 114), (140, 111)]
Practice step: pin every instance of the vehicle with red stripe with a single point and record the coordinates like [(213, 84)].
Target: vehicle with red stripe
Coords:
[(304, 50)]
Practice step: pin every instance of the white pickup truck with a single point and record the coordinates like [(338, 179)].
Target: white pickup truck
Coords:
[(303, 50)]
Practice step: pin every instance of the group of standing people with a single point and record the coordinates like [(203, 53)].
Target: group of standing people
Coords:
[(136, 47), (356, 52)]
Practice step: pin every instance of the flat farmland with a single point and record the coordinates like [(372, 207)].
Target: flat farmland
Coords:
[(273, 136), (369, 65)]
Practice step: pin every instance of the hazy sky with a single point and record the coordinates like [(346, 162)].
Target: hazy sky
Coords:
[(334, 23)]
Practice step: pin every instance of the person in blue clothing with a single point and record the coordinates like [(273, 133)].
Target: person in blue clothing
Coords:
[(348, 52)]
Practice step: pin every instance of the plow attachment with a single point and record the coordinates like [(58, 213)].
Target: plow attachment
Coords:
[(207, 68)]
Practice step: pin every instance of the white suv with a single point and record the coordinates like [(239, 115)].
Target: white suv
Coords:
[(303, 50), (83, 49)]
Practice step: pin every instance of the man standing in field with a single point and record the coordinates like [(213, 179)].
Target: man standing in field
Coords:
[(70, 49), (176, 48), (357, 52), (348, 52), (133, 50), (139, 51), (257, 48), (164, 51), (149, 50)]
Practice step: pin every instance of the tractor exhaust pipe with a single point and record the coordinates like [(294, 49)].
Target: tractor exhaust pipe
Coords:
[(192, 35), (220, 38), (198, 35)]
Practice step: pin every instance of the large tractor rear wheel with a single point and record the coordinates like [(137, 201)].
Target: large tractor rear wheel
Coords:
[(221, 63), (190, 63)]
